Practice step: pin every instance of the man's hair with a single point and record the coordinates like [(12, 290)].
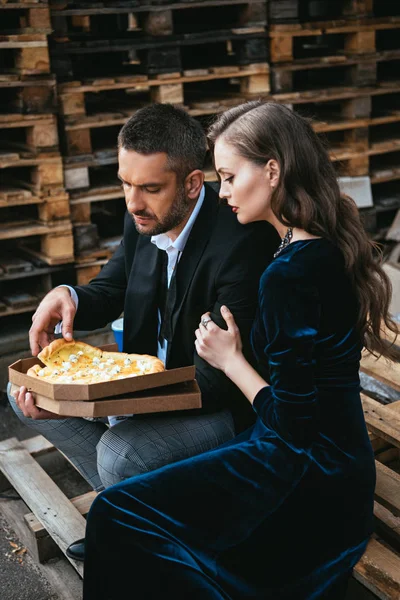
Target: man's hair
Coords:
[(170, 129)]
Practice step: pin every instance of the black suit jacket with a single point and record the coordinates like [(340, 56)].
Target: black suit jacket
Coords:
[(221, 264)]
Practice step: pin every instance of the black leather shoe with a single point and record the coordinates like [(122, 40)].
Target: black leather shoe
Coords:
[(76, 550)]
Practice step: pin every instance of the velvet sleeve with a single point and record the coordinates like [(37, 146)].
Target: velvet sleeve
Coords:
[(289, 318)]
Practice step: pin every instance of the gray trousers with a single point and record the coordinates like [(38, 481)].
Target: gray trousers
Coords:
[(106, 455)]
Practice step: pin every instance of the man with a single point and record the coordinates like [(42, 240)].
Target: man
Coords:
[(183, 253)]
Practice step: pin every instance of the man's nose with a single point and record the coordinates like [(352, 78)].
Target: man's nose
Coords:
[(133, 200)]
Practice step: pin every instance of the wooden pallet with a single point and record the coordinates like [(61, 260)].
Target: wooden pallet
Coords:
[(23, 284), (32, 16), (93, 108), (55, 521), (158, 54), (329, 40), (54, 240), (155, 19), (353, 160), (28, 135), (89, 264), (42, 175), (24, 54), (27, 94), (297, 11), (379, 570)]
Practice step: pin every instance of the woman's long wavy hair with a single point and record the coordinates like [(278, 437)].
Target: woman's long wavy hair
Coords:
[(308, 197)]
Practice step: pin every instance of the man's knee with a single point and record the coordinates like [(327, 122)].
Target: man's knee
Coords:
[(134, 447), (116, 459)]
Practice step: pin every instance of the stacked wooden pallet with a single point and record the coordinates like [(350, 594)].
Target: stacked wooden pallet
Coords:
[(111, 58), (338, 62), (379, 569), (34, 205)]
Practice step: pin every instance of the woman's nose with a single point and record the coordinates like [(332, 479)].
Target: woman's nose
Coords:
[(223, 191)]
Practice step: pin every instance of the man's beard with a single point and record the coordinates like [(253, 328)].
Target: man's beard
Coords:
[(174, 217)]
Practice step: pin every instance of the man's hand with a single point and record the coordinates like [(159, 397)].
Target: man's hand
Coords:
[(26, 403), (56, 306)]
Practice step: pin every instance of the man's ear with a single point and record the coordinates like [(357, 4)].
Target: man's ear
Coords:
[(193, 183), (273, 171)]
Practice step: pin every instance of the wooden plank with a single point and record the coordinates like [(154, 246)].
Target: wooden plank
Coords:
[(60, 12), (381, 369), (382, 420), (379, 571), (45, 548), (387, 491), (255, 69), (58, 515), (36, 446), (81, 503), (333, 27), (387, 525), (10, 231)]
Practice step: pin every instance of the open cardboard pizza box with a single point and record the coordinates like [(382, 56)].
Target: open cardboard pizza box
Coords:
[(173, 389)]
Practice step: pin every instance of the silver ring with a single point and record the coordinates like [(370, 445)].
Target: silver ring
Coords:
[(205, 321)]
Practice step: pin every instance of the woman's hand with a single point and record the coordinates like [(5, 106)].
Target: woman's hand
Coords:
[(218, 347)]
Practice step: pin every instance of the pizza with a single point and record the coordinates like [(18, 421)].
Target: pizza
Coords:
[(78, 362)]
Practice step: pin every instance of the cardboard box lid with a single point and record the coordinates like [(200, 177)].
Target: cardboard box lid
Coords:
[(181, 396), (84, 392)]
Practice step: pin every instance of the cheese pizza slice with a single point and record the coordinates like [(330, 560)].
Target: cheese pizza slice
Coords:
[(78, 362)]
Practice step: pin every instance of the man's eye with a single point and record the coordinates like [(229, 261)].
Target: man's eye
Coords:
[(152, 190), (124, 184)]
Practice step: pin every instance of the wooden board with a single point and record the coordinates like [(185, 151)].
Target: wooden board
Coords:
[(381, 369), (61, 519)]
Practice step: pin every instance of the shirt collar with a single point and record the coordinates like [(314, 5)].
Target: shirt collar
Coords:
[(162, 241)]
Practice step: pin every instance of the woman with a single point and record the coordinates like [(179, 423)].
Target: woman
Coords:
[(284, 511)]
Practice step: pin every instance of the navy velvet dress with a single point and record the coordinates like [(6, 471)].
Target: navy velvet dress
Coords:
[(283, 511)]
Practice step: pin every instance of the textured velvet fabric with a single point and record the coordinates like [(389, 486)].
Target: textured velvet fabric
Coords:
[(283, 511)]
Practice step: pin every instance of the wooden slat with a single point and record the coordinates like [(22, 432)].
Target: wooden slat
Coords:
[(387, 524), (381, 369), (379, 571), (81, 503), (382, 420), (256, 69), (60, 518), (387, 490)]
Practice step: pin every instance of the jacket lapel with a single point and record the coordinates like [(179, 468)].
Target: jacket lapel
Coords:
[(194, 249)]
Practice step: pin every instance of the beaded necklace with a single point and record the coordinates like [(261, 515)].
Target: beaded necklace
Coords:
[(285, 241)]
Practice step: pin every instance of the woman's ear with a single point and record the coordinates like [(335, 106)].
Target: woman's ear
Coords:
[(272, 171)]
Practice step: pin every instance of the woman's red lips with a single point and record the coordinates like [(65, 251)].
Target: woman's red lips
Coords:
[(234, 209)]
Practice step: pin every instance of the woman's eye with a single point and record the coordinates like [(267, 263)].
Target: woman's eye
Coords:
[(228, 179)]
